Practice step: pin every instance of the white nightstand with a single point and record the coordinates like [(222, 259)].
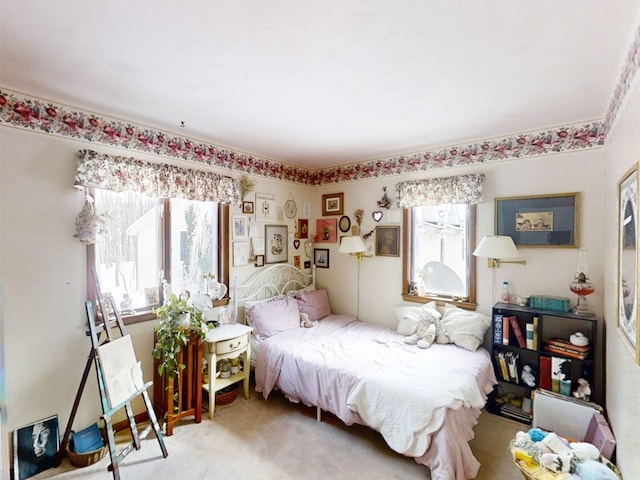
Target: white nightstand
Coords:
[(226, 341)]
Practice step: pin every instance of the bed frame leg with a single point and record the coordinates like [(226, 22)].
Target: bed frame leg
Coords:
[(318, 414)]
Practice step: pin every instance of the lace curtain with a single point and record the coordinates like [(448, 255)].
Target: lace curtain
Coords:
[(438, 191), (118, 174)]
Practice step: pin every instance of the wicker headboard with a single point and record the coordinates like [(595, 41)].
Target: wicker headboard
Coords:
[(269, 282)]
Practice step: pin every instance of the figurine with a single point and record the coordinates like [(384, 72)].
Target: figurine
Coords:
[(166, 291), (583, 391), (528, 377)]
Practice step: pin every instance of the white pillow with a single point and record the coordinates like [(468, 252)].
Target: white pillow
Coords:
[(408, 317), (272, 317), (465, 328)]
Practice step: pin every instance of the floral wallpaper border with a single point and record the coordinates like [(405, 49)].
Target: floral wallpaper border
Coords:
[(20, 110)]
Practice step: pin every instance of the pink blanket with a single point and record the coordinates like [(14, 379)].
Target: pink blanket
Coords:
[(323, 366)]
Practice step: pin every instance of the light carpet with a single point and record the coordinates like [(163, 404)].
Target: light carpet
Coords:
[(276, 439)]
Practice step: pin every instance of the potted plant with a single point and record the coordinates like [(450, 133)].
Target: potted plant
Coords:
[(224, 366), (180, 320)]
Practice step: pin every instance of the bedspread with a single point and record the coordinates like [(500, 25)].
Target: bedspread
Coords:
[(323, 366)]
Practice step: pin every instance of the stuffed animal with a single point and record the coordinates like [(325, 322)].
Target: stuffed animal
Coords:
[(583, 391), (426, 330)]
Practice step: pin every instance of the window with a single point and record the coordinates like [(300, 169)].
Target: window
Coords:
[(437, 254), (148, 240)]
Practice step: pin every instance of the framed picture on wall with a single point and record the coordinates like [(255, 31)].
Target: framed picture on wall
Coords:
[(332, 204), (265, 208), (240, 254), (303, 228), (540, 220), (388, 241), (326, 230), (240, 227), (628, 261), (247, 208), (275, 244), (321, 257)]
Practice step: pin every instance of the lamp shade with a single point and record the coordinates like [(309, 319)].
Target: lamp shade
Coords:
[(352, 245), (496, 246)]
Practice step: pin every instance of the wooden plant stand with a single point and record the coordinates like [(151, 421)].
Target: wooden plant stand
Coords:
[(181, 397)]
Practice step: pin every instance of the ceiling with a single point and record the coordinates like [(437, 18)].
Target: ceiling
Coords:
[(317, 83)]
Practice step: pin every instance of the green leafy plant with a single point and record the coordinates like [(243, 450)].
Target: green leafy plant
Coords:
[(179, 321)]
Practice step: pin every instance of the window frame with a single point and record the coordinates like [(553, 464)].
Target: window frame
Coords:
[(165, 253), (407, 237)]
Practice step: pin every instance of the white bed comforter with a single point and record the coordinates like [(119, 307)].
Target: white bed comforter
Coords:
[(366, 374)]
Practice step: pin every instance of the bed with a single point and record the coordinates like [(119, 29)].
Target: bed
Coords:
[(424, 402)]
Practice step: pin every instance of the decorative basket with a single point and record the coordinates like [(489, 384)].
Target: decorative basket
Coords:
[(537, 472), (87, 458), (226, 395)]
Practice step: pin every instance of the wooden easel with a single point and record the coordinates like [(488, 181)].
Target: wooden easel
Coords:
[(107, 325)]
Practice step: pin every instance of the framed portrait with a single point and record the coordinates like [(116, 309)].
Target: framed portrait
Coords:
[(344, 223), (303, 228), (35, 447), (628, 261), (296, 261), (240, 254), (275, 243), (388, 241), (332, 204), (326, 230), (321, 257), (240, 225), (266, 210), (540, 220), (247, 208), (259, 260)]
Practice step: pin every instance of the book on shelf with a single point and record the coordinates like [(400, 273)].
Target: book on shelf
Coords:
[(503, 366), (515, 326), (497, 328), (536, 344), (529, 335), (544, 377), (566, 344), (505, 330), (560, 372), (566, 352)]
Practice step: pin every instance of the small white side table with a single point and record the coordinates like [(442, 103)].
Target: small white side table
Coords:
[(226, 341)]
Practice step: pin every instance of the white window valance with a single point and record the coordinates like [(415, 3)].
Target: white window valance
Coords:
[(118, 174), (439, 191)]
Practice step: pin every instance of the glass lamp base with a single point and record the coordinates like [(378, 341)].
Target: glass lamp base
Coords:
[(581, 307)]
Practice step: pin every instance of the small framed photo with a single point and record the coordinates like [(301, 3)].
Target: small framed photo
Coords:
[(332, 204), (240, 227), (240, 254), (321, 257), (307, 264), (326, 230), (303, 228), (35, 446), (296, 261), (275, 244), (388, 241), (259, 260), (247, 208), (344, 224)]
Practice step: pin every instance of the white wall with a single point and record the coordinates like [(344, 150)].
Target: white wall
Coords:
[(623, 374), (548, 270)]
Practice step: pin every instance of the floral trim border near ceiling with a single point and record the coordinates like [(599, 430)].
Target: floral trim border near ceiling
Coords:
[(27, 112)]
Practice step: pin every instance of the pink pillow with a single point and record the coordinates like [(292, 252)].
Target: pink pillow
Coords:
[(276, 316), (315, 304)]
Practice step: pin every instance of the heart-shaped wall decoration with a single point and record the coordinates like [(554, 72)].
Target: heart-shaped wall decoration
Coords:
[(377, 216), (296, 243)]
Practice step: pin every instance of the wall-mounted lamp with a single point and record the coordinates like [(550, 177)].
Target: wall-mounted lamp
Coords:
[(498, 249), (353, 246)]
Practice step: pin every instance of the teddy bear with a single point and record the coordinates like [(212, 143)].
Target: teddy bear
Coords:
[(427, 330)]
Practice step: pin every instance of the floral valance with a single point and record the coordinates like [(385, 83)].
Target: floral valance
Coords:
[(438, 191), (118, 174)]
